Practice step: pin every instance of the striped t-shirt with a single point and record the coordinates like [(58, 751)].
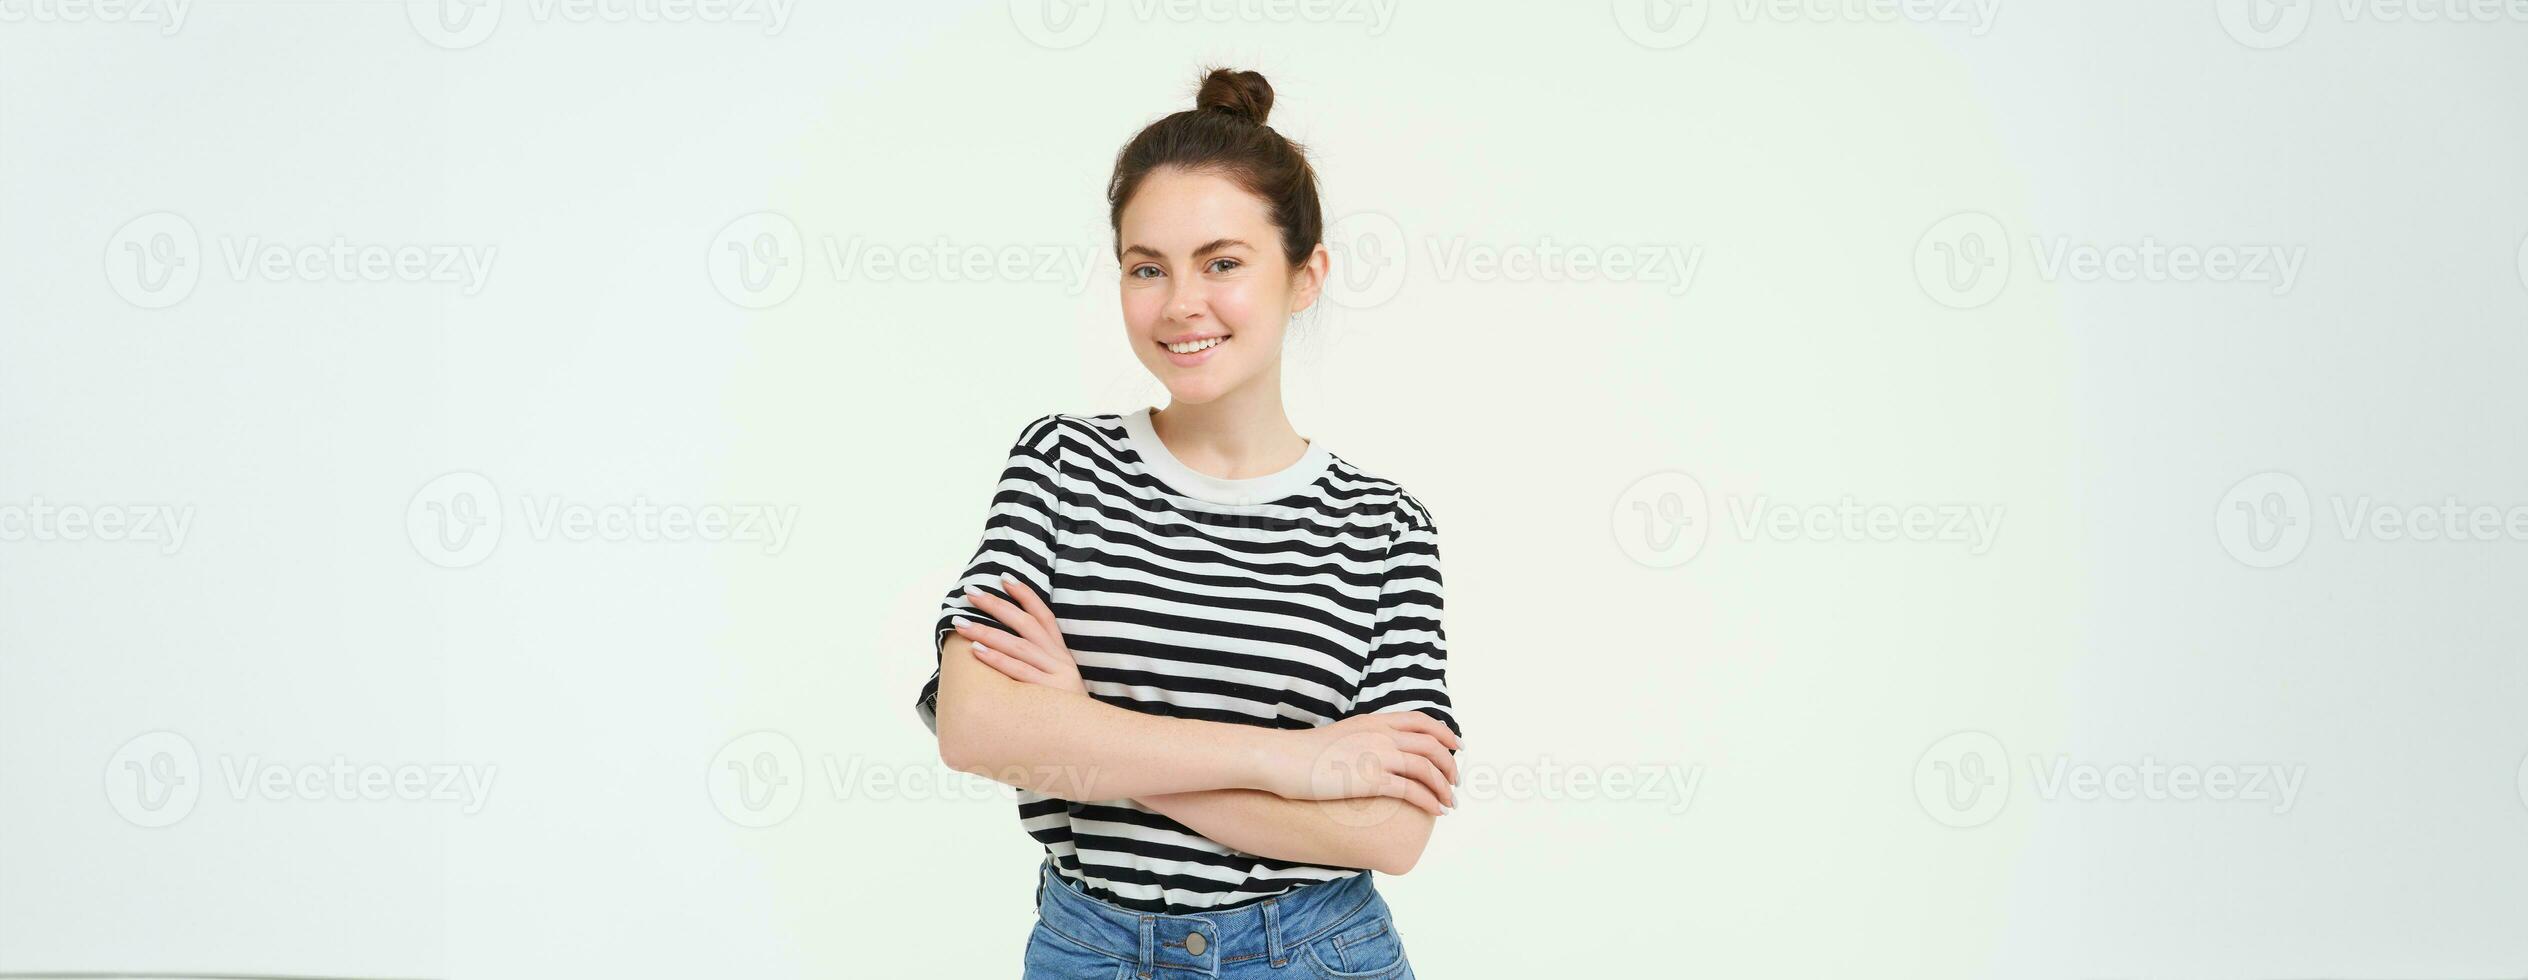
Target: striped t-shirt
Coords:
[(1288, 601)]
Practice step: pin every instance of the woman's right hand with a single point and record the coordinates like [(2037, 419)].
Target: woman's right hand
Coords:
[(1403, 754)]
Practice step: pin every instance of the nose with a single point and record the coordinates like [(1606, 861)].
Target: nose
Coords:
[(1186, 303)]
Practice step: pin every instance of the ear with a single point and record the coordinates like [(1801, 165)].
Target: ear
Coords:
[(1309, 279)]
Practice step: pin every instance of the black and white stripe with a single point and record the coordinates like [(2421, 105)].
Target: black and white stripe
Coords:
[(1288, 601)]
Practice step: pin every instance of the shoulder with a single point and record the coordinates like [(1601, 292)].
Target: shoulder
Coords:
[(1369, 493), (1045, 435)]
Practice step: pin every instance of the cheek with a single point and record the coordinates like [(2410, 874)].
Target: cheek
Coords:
[(1141, 312), (1241, 305)]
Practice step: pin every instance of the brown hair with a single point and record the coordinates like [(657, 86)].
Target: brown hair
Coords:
[(1224, 133)]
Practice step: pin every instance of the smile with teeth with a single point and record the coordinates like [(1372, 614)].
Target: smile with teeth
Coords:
[(1196, 346)]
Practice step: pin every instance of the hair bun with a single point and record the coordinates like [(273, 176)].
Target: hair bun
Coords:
[(1243, 94)]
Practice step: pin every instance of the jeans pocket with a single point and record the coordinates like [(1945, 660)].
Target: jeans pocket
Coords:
[(1361, 950), (1053, 956)]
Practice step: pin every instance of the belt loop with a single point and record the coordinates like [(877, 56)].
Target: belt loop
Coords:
[(1149, 944), (1273, 933)]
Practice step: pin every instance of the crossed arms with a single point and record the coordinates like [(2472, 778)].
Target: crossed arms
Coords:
[(1362, 792)]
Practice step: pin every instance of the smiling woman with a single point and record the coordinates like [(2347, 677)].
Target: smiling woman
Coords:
[(1205, 649)]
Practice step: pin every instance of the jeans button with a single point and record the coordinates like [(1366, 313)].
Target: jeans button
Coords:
[(1194, 944)]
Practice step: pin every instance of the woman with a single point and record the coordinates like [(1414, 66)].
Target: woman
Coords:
[(1205, 649)]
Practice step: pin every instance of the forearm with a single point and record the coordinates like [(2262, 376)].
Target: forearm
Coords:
[(1076, 748), (1381, 833)]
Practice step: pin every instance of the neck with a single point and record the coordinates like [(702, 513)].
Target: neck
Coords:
[(1244, 433)]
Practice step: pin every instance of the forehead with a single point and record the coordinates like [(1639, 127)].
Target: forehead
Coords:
[(1176, 211)]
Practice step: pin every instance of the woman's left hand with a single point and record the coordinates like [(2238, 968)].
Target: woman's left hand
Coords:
[(1036, 655)]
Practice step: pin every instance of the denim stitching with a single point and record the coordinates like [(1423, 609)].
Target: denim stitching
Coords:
[(1339, 920)]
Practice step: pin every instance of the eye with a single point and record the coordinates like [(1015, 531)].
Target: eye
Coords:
[(1137, 271), (1233, 263)]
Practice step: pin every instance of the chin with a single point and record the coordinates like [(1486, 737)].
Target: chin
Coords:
[(1195, 391)]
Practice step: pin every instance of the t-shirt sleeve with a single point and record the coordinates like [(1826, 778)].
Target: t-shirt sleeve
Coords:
[(1408, 650), (1018, 540)]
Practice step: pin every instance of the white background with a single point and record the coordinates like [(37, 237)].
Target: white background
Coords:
[(1593, 446)]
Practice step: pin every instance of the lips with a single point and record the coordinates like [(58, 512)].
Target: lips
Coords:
[(1191, 351)]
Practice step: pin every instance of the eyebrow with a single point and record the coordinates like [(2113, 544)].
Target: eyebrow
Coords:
[(1215, 245)]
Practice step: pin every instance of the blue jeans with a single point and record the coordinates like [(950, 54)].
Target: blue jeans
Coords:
[(1333, 929)]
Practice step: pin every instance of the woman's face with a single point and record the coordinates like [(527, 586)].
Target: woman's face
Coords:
[(1206, 291)]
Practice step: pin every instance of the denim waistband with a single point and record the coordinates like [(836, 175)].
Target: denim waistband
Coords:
[(1274, 928)]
